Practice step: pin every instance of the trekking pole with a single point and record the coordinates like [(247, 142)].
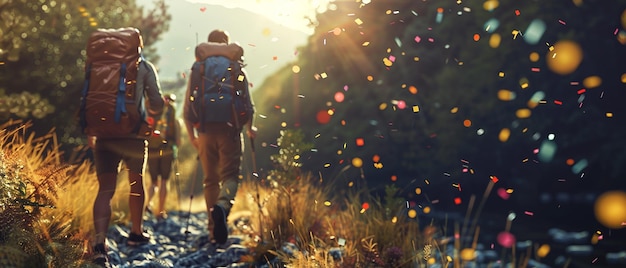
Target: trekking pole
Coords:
[(193, 186), (177, 178), (255, 176)]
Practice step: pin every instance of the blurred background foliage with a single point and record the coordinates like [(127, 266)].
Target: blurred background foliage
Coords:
[(42, 55), (411, 88)]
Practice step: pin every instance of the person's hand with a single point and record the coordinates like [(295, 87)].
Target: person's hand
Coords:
[(251, 132), (91, 141)]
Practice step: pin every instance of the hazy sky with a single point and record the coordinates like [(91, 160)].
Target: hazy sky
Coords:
[(269, 34), (289, 13)]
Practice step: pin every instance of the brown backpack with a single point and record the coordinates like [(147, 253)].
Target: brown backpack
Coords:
[(108, 105)]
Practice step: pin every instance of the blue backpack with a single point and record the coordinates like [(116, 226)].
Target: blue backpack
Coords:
[(219, 92)]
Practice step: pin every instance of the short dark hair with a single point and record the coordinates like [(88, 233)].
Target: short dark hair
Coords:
[(219, 36)]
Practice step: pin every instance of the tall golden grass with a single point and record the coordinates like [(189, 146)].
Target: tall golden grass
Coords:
[(43, 210)]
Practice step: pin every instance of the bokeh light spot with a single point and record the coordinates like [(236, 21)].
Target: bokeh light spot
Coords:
[(610, 209), (564, 57), (357, 162)]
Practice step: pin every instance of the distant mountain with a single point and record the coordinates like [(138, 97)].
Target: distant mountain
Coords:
[(268, 46)]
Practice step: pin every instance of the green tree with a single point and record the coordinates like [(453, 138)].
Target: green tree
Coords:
[(421, 83), (42, 55)]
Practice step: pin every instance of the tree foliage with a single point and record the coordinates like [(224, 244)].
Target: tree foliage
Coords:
[(420, 82), (42, 54)]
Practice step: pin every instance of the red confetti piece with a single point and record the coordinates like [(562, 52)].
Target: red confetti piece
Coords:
[(502, 193), (517, 12), (558, 102), (529, 213), (535, 69), (562, 22), (457, 201), (581, 91), (494, 179), (365, 206), (360, 142), (202, 9)]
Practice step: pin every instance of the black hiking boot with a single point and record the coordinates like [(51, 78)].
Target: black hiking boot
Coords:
[(220, 228), (100, 256)]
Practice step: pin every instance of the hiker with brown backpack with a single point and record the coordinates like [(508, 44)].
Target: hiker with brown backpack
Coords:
[(217, 108), (121, 91), (162, 152)]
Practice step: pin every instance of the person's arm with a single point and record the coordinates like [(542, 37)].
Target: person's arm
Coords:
[(187, 113), (152, 90), (250, 128)]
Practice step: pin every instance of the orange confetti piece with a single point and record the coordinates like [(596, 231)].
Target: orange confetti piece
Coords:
[(360, 142)]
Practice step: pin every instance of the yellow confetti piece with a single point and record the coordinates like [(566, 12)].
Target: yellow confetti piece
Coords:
[(534, 57), (382, 106), (494, 40), (240, 78), (366, 43), (327, 165), (394, 219), (387, 62), (454, 110), (592, 81), (416, 108), (358, 21), (327, 203), (609, 115), (412, 213), (515, 33), (418, 191), (506, 95), (524, 83), (504, 135), (295, 69), (324, 75), (523, 113)]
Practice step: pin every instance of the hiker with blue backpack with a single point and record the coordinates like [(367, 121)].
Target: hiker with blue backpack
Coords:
[(217, 108), (120, 93)]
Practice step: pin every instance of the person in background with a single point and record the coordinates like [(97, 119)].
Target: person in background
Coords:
[(162, 152)]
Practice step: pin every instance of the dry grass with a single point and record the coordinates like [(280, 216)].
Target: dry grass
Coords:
[(46, 220), (40, 213)]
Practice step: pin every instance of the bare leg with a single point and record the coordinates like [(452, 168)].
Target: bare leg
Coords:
[(102, 205), (136, 202), (162, 196)]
